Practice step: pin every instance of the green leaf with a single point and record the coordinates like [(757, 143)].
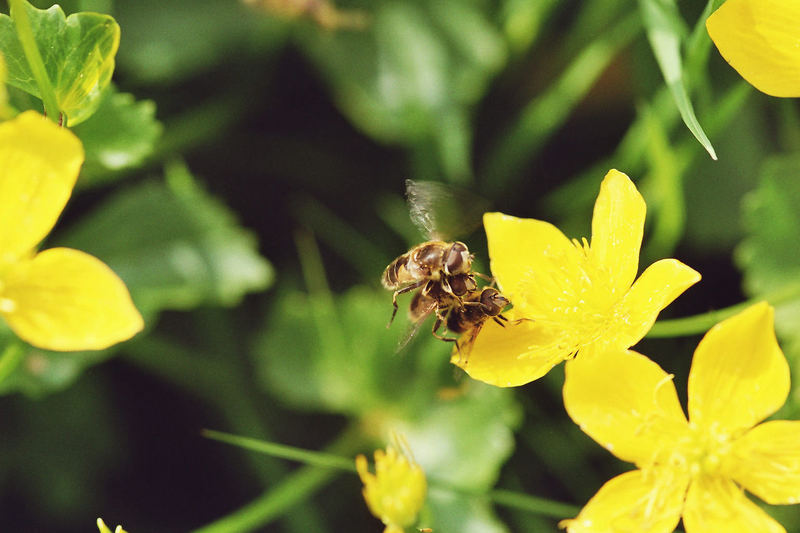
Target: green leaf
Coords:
[(772, 222), (340, 351), (174, 245), (189, 36), (77, 51), (413, 76), (768, 255), (666, 31), (121, 134)]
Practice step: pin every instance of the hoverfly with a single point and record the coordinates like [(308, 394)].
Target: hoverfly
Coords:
[(461, 317), (440, 269), (468, 319)]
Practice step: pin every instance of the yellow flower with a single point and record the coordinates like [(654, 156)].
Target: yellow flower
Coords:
[(104, 528), (58, 299), (759, 38), (696, 468), (572, 296), (396, 491)]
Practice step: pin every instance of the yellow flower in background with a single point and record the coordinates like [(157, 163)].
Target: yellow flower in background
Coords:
[(396, 491), (759, 38), (694, 469), (104, 528), (57, 299), (572, 296)]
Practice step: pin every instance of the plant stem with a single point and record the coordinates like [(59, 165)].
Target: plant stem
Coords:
[(10, 359), (273, 503), (533, 504), (262, 507), (540, 118), (296, 487), (693, 325), (28, 41), (311, 458)]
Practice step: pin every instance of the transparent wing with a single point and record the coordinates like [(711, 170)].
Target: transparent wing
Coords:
[(466, 342), (443, 212), (422, 312)]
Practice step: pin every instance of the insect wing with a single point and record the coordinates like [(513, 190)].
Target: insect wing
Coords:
[(421, 312), (466, 342), (443, 212)]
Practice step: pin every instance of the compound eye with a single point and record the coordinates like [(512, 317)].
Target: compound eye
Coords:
[(457, 260)]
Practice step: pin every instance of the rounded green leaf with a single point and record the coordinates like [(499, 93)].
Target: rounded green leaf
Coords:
[(78, 54)]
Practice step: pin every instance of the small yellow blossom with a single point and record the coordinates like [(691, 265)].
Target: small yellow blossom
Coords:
[(571, 296), (694, 469), (759, 38), (58, 299), (396, 491), (104, 528)]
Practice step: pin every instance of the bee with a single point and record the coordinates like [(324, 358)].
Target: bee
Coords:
[(437, 266), (464, 316), (441, 268), (468, 319)]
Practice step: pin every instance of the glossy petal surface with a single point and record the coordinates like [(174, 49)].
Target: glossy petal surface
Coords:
[(39, 164), (633, 501), (65, 300), (656, 288), (617, 229), (739, 375), (521, 247), (718, 505), (510, 356), (625, 402), (759, 39), (768, 462)]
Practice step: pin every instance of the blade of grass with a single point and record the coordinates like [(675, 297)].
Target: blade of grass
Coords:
[(541, 118), (333, 460), (665, 31), (665, 183), (282, 451), (295, 488)]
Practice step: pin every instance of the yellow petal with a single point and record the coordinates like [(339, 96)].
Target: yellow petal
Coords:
[(739, 374), (633, 501), (768, 461), (519, 248), (67, 300), (718, 505), (625, 402), (509, 356), (759, 39), (39, 163), (656, 288), (617, 228)]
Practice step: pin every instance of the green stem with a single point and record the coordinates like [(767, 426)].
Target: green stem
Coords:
[(28, 41), (693, 325), (545, 114), (10, 359), (296, 487), (282, 451), (533, 504), (273, 503), (264, 505)]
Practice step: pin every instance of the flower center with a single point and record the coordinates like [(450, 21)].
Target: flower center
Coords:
[(572, 296), (701, 451)]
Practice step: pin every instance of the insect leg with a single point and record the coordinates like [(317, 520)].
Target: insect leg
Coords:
[(401, 291), (492, 281)]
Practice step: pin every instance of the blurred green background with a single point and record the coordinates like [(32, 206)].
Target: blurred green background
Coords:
[(245, 178)]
